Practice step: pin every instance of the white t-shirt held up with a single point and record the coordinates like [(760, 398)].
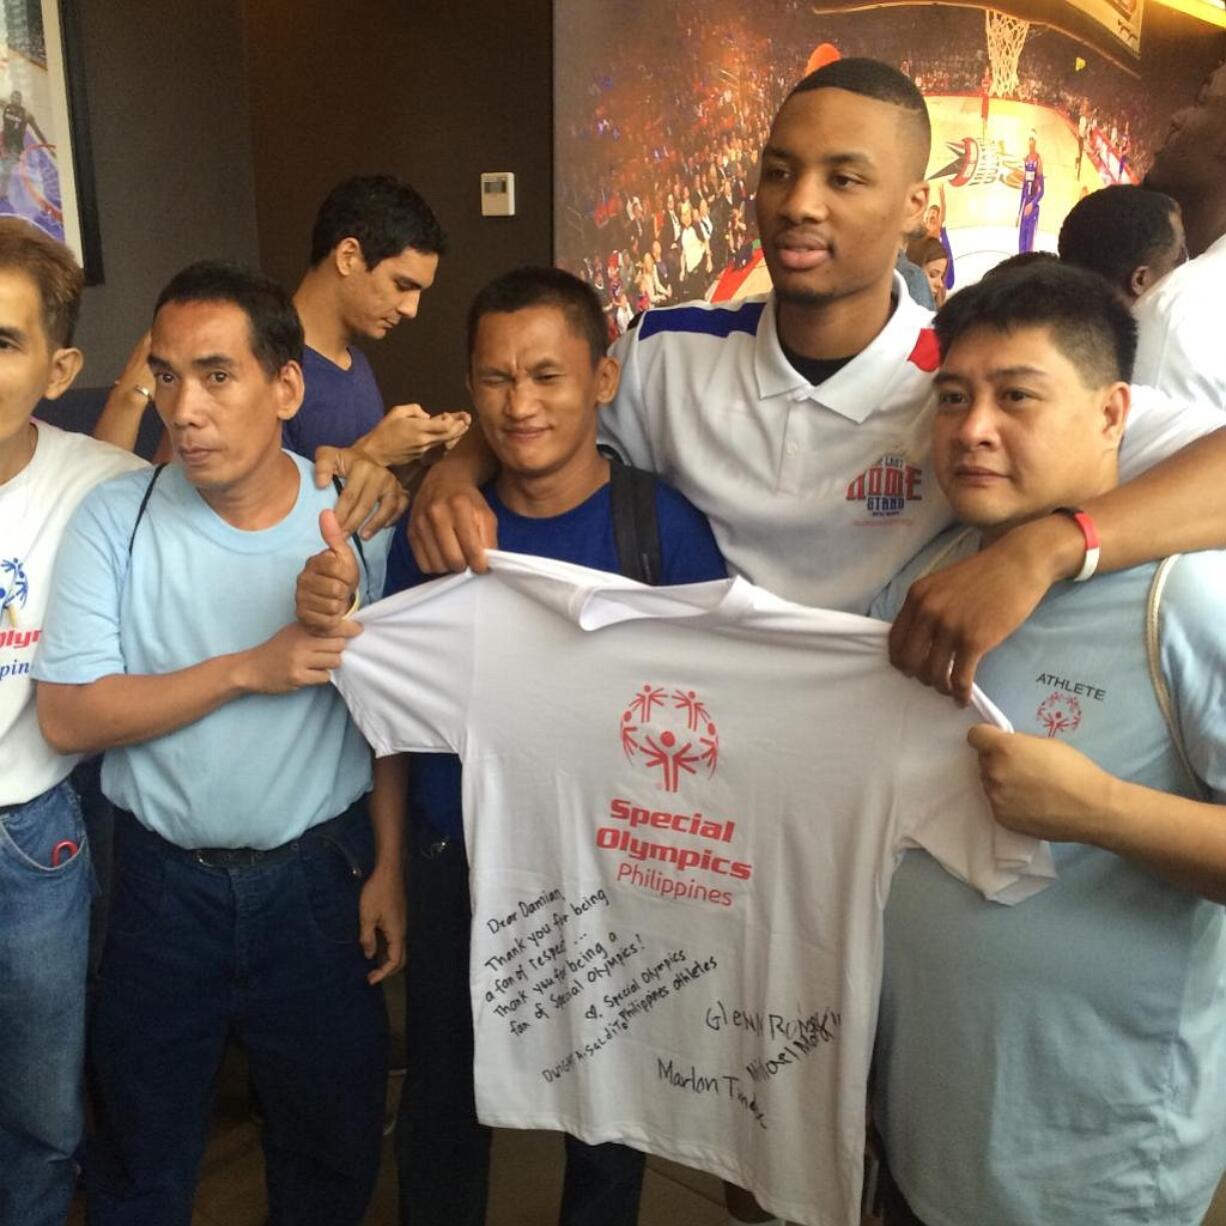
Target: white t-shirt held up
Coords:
[(683, 807)]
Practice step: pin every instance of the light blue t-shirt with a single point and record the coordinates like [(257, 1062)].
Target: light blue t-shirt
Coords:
[(257, 771), (1063, 1062)]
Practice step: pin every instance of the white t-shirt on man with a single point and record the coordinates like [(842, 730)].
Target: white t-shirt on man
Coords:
[(35, 507), (1179, 346), (682, 807)]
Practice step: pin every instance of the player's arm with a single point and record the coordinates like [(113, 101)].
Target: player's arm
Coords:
[(450, 523), (381, 908), (1039, 181), (124, 709), (952, 619), (1042, 787)]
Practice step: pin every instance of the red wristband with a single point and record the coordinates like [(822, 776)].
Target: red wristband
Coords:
[(1089, 534)]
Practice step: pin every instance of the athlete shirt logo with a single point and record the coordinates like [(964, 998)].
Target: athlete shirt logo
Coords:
[(886, 487), (670, 732), (14, 586), (1059, 712)]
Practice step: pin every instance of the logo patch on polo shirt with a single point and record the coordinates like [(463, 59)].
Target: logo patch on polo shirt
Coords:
[(885, 488)]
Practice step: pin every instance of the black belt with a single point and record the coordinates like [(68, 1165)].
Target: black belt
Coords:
[(256, 857)]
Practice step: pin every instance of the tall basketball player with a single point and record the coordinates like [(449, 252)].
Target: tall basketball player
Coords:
[(1032, 193)]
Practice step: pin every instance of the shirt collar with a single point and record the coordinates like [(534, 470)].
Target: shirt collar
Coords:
[(860, 386)]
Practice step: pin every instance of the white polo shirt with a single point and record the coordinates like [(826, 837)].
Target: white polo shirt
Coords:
[(823, 493), (1179, 343)]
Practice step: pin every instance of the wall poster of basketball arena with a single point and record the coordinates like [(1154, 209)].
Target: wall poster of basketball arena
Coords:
[(661, 107), (38, 179)]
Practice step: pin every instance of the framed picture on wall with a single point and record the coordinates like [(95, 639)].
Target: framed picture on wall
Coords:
[(45, 170)]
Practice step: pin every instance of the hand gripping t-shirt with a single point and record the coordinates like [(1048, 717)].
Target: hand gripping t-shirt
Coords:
[(1065, 1063), (260, 770), (683, 807), (35, 507)]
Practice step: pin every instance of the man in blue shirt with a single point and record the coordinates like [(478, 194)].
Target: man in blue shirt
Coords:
[(1063, 1062), (250, 883), (375, 248), (538, 374)]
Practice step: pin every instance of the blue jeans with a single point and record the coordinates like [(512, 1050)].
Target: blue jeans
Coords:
[(44, 939), (442, 1150), (267, 953)]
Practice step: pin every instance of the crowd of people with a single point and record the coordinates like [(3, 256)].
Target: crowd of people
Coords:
[(1009, 485)]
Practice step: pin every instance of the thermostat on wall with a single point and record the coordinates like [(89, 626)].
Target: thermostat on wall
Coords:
[(498, 194)]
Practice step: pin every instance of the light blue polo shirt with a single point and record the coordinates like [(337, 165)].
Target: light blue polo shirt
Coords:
[(1063, 1062), (257, 771)]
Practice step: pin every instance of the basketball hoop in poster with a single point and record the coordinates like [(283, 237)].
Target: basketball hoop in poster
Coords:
[(1006, 38)]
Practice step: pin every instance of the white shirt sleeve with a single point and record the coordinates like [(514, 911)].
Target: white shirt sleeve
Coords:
[(624, 424), (1179, 345), (408, 677), (941, 806), (1160, 425)]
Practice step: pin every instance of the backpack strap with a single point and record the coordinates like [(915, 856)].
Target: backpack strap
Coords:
[(144, 503), (357, 540), (636, 528), (1153, 652)]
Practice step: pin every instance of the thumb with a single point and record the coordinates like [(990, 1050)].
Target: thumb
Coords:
[(401, 411), (330, 530), (338, 543), (982, 737)]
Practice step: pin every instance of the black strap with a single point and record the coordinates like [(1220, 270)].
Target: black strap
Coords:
[(357, 540), (636, 529), (144, 502)]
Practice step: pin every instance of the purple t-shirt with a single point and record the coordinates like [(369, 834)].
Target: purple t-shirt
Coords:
[(339, 406)]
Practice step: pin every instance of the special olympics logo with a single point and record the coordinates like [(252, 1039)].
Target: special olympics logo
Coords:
[(670, 731), (14, 586), (1059, 712)]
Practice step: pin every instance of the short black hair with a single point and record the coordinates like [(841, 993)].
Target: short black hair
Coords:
[(385, 215), (276, 330), (532, 286), (1088, 319), (1023, 259), (874, 79), (1116, 230)]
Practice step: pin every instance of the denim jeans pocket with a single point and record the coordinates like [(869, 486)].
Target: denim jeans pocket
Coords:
[(333, 870), (46, 829)]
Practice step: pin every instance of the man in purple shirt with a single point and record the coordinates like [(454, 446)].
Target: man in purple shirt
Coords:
[(375, 250)]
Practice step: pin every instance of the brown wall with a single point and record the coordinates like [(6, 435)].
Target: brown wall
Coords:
[(172, 157), (434, 91)]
